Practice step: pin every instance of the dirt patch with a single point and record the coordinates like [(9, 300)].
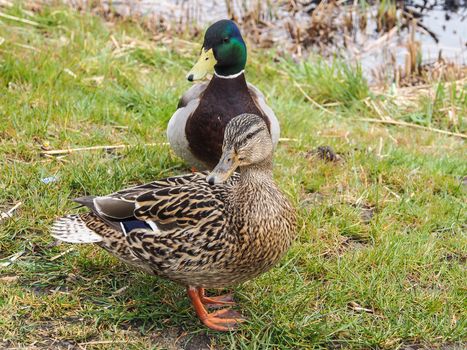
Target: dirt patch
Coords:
[(459, 346), (169, 339), (178, 339), (42, 345), (199, 342)]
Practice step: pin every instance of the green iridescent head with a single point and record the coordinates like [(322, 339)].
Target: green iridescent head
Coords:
[(223, 49)]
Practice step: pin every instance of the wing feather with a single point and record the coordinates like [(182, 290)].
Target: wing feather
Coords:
[(182, 206), (192, 93), (260, 102)]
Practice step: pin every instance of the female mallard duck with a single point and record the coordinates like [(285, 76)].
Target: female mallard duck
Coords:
[(196, 129), (201, 231)]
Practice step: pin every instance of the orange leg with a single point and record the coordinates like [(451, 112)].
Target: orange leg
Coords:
[(218, 301), (222, 320), (194, 170)]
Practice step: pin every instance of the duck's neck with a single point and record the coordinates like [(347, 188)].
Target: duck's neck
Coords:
[(231, 92), (256, 195), (259, 174), (232, 84)]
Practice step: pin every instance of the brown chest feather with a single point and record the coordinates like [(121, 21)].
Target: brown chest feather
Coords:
[(222, 100)]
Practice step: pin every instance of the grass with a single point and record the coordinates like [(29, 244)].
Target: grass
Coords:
[(380, 258)]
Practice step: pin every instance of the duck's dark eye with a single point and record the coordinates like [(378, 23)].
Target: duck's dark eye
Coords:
[(249, 136), (226, 40)]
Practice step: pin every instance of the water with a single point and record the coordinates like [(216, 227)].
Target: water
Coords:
[(446, 20)]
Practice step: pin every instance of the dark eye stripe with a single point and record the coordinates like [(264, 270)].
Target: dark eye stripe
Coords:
[(249, 136)]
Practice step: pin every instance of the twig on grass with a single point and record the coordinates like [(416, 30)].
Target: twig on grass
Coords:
[(94, 148), (401, 123), (29, 47), (9, 213), (11, 259), (115, 42), (356, 307), (120, 291), (286, 139), (107, 342), (18, 19), (62, 254)]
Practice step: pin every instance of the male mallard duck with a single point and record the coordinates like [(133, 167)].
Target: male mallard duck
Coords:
[(200, 230), (196, 129)]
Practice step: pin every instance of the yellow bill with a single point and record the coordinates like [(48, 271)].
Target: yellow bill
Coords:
[(205, 65)]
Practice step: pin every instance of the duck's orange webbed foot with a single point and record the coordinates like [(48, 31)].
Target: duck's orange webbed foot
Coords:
[(217, 301), (194, 170), (222, 320)]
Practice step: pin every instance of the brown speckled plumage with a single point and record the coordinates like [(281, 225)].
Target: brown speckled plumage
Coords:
[(208, 234)]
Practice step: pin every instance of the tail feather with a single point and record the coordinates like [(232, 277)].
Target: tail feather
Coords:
[(72, 229)]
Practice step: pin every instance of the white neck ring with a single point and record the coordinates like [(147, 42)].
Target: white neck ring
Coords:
[(233, 76)]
